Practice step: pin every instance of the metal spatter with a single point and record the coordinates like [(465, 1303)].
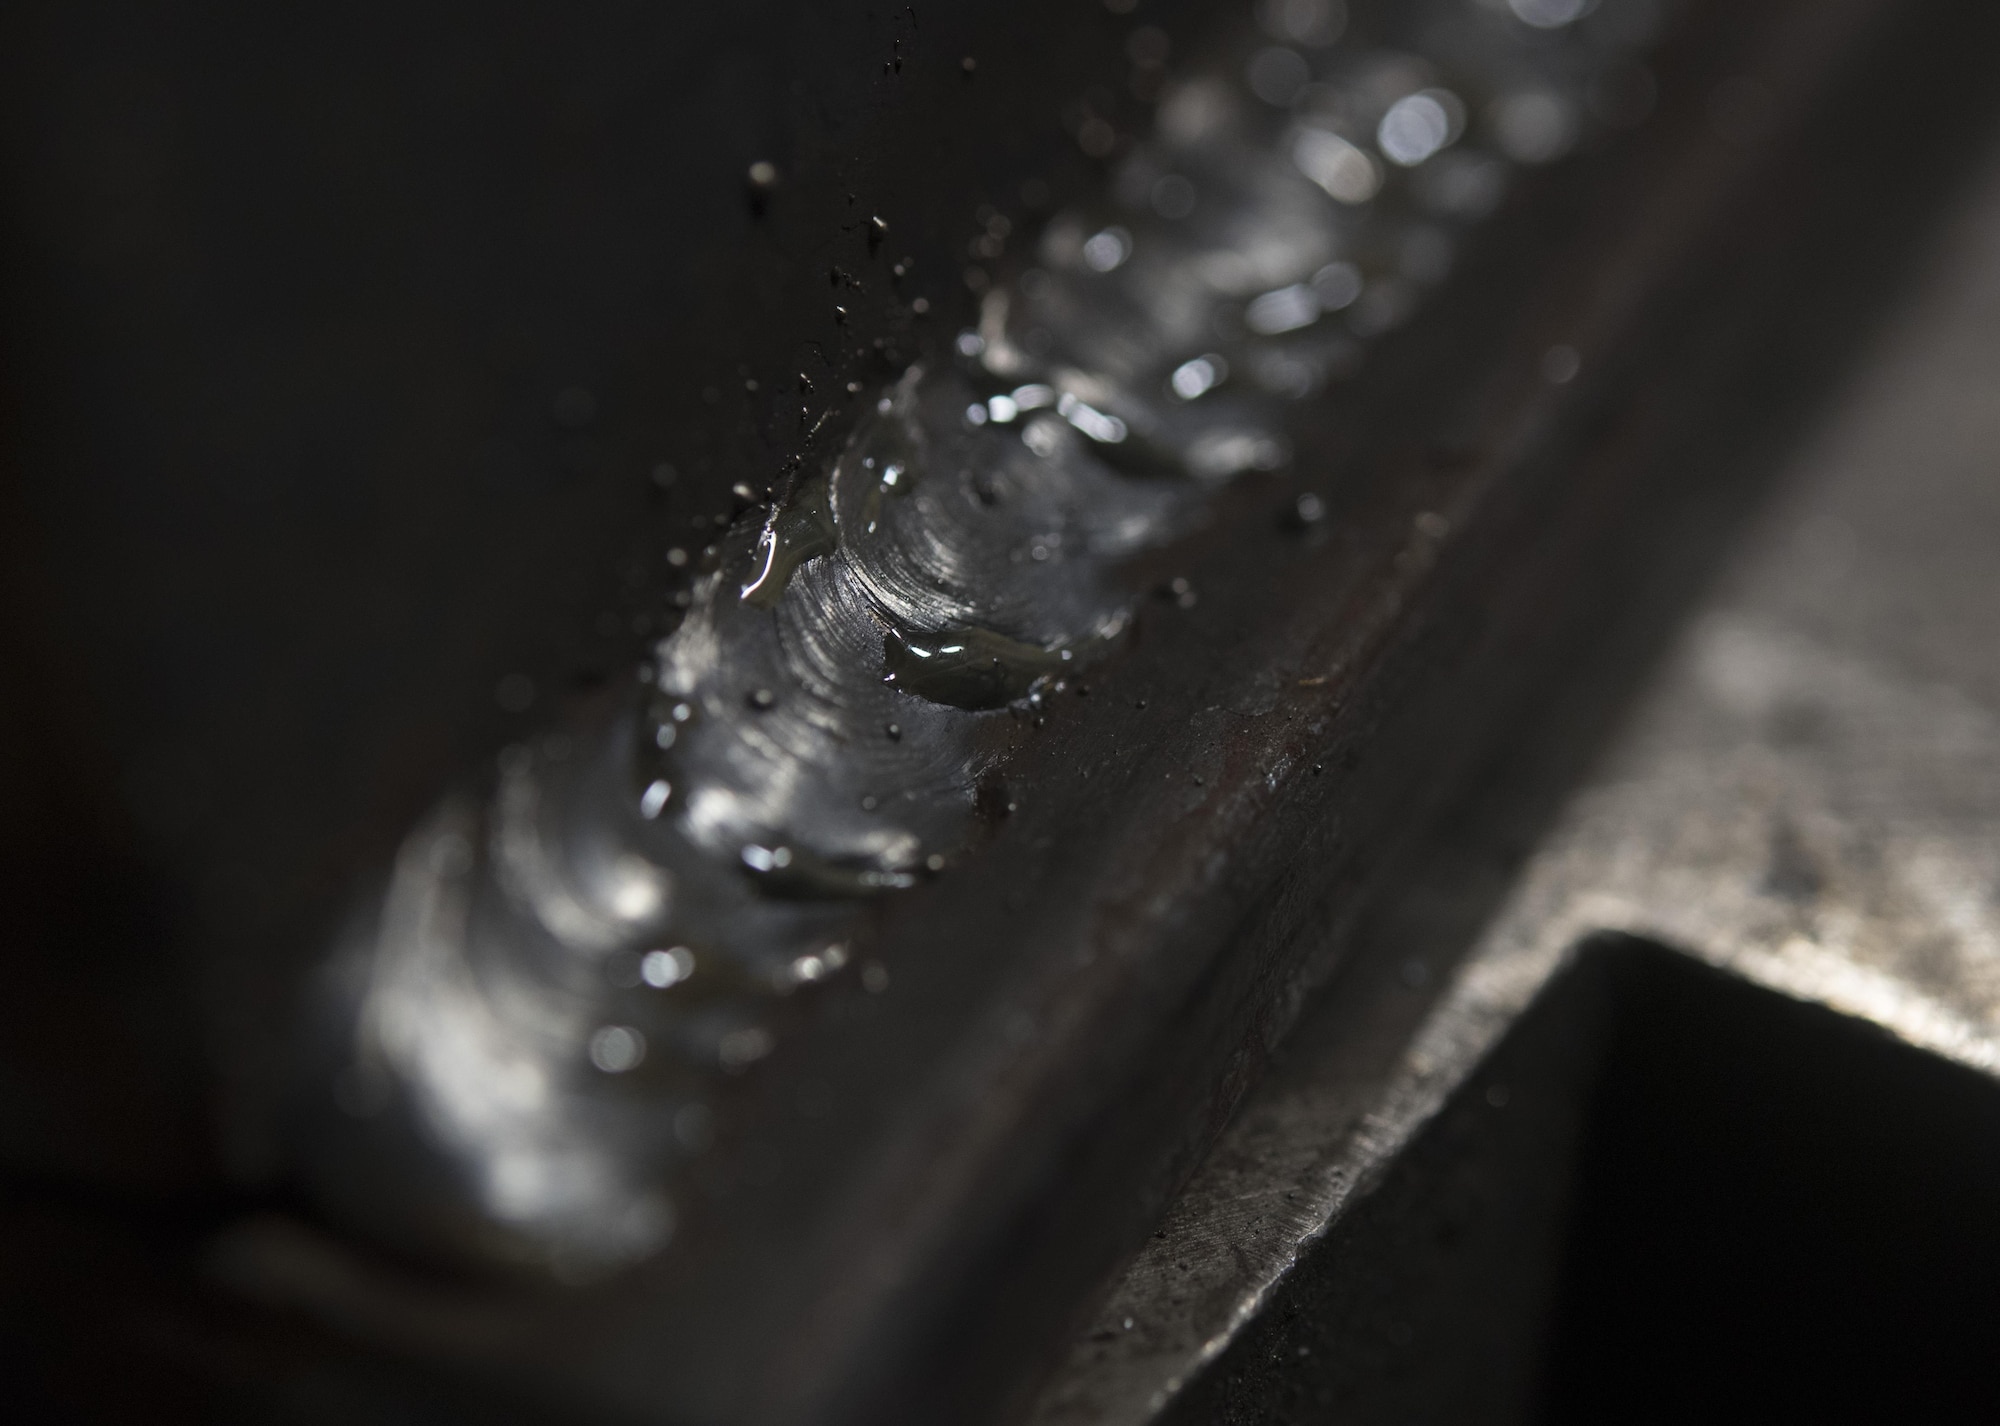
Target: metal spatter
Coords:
[(528, 1038)]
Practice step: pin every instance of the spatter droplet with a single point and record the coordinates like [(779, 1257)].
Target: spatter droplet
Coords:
[(616, 1049), (666, 967)]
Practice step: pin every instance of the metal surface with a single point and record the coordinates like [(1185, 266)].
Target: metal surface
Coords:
[(923, 1181), (1806, 796), (527, 1049), (930, 1174)]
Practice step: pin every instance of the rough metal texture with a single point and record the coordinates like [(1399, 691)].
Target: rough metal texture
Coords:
[(1806, 797), (923, 1184), (831, 722), (933, 1178)]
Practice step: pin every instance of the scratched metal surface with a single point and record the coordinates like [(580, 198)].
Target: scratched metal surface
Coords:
[(1806, 795)]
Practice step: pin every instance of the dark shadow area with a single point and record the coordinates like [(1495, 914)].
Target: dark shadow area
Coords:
[(1669, 1195), (1781, 1215), (1427, 1298)]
